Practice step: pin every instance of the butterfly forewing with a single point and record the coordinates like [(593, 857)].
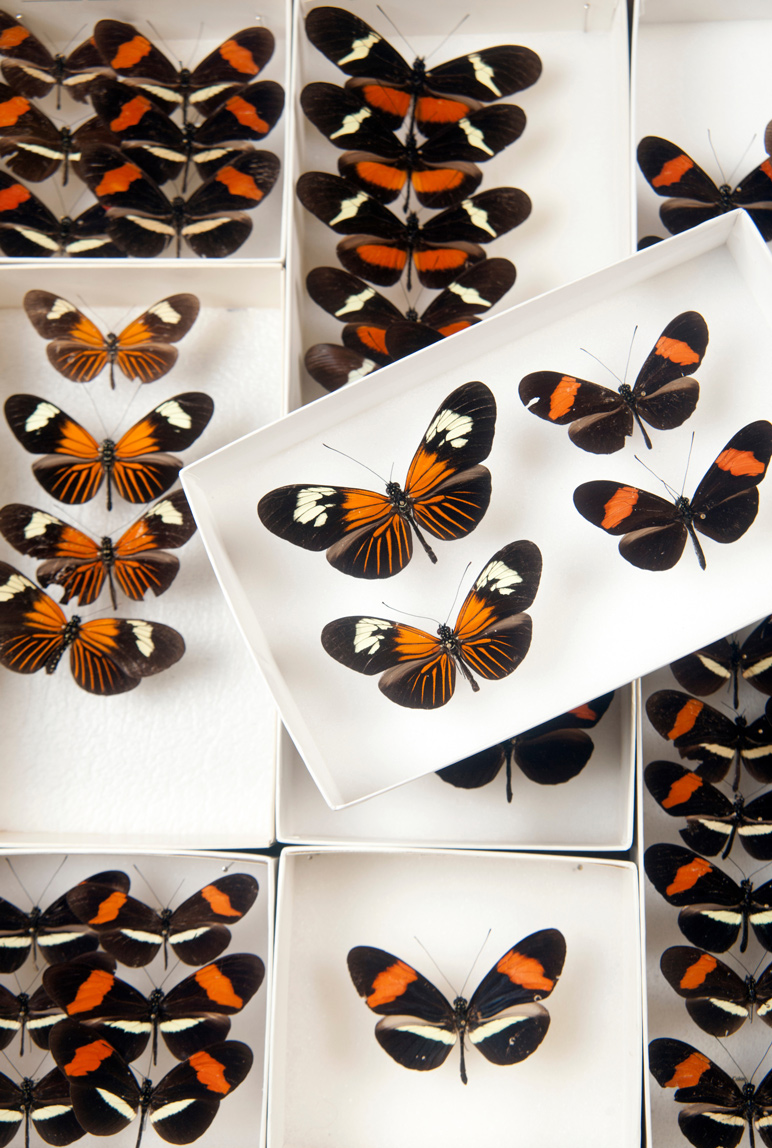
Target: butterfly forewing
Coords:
[(717, 999), (44, 1102)]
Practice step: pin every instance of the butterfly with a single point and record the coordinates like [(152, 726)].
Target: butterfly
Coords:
[(700, 732), (33, 147), (107, 655), (446, 493), (143, 221), (80, 564), (433, 97), (442, 171), (133, 932), (142, 351), (715, 910), (550, 753), (717, 999), (722, 508), (600, 419), (503, 1018), (33, 1014), (28, 228), (45, 1102), (193, 1014), (669, 170), (33, 71), (76, 469), (233, 64), (726, 661), (491, 636), (106, 1096), (717, 1108), (712, 820), (439, 249), (55, 932)]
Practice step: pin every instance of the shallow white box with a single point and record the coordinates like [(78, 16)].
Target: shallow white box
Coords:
[(160, 880), (590, 634), (699, 67), (329, 1077), (577, 126), (593, 811), (144, 767)]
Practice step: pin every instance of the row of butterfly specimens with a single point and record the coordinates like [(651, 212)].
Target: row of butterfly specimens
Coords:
[(717, 799), (153, 122)]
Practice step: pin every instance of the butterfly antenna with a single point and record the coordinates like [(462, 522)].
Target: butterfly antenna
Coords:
[(421, 617), (437, 967), (458, 590), (452, 32), (742, 157), (474, 962), (597, 360), (646, 466), (399, 32), (715, 156), (629, 353), (351, 458), (764, 1057)]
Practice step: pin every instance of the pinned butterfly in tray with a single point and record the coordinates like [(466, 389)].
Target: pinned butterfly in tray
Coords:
[(503, 1018), (670, 171), (30, 229), (33, 71), (600, 419), (446, 493), (491, 636), (32, 145), (722, 508), (726, 662), (143, 351), (43, 1103), (717, 999)]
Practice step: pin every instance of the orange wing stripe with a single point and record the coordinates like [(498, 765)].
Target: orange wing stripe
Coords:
[(689, 1071), (525, 971), (676, 351), (682, 790), (688, 875), (740, 463), (239, 58), (696, 974), (391, 983), (673, 171), (619, 506), (685, 718)]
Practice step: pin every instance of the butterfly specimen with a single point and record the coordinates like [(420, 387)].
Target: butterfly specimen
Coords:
[(230, 66), (106, 1095), (28, 228), (446, 493), (716, 910), (503, 1018), (79, 564), (726, 662), (718, 1109), (439, 249), (433, 97), (143, 221), (700, 732), (45, 1102), (712, 820), (600, 419), (717, 999), (33, 147), (134, 464), (33, 1014), (722, 508), (491, 636), (550, 753), (142, 351), (55, 932), (107, 655), (133, 932), (191, 1015), (670, 171), (33, 71)]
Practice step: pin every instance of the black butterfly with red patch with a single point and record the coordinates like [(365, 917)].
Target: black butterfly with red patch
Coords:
[(701, 733), (232, 65), (106, 1096), (725, 662), (33, 147), (56, 933), (718, 1109), (717, 999), (381, 245), (33, 71), (29, 229), (669, 170), (715, 910), (601, 419), (503, 1018), (45, 1103), (491, 636), (549, 754), (80, 565), (190, 1016), (722, 508), (434, 98), (712, 820), (196, 931)]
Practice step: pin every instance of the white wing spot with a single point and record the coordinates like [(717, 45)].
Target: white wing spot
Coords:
[(478, 217), (165, 312), (349, 208), (469, 295), (501, 578), (38, 524), (175, 415), (167, 512), (16, 584), (369, 634), (352, 123), (312, 505), (41, 417), (449, 425), (360, 49), (474, 136), (143, 636), (60, 307), (355, 302), (483, 72)]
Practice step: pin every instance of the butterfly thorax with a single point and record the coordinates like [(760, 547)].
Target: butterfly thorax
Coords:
[(461, 1013), (411, 315), (69, 633), (65, 227), (750, 989), (725, 192), (418, 75), (447, 639), (626, 393), (107, 453), (107, 551), (398, 499), (27, 1090)]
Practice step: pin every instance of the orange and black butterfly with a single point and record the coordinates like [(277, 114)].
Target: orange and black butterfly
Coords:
[(723, 507), (33, 147), (45, 1103), (670, 171), (726, 662), (142, 351), (233, 64), (80, 565), (491, 636), (434, 97), (717, 999), (137, 464), (29, 228), (33, 71), (107, 655), (600, 419), (369, 535)]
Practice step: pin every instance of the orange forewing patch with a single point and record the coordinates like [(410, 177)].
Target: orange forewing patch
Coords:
[(696, 974), (619, 506), (525, 971), (688, 875), (682, 790), (740, 463), (562, 398), (92, 992), (391, 983), (689, 1071), (218, 987), (673, 171), (88, 1058), (685, 718), (210, 1072)]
